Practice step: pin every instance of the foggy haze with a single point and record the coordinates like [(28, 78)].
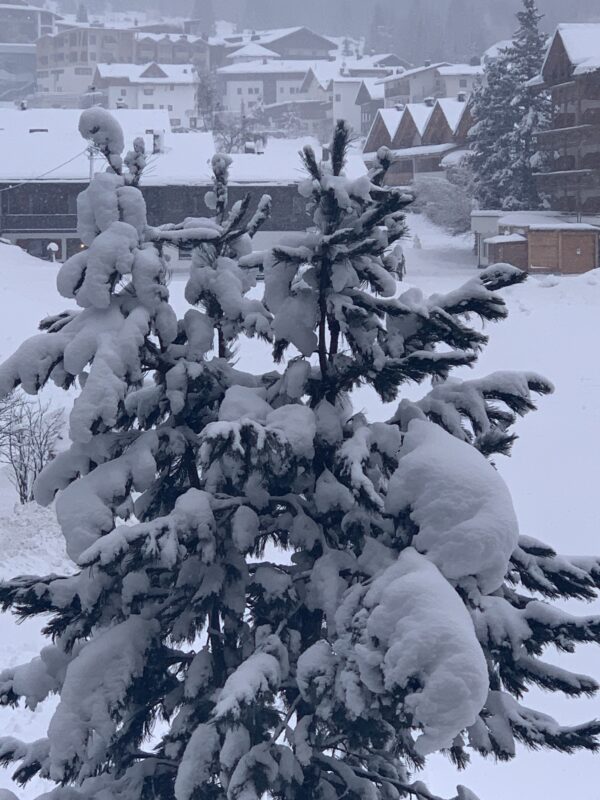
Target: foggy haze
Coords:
[(415, 29)]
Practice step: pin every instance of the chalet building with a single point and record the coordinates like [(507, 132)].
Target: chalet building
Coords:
[(21, 25), (170, 87), (571, 71), (299, 43), (66, 61), (420, 136), (172, 48), (430, 81), (38, 207), (536, 241), (383, 129), (245, 86)]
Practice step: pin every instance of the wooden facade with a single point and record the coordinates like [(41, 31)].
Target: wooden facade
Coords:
[(34, 214), (565, 250), (572, 178)]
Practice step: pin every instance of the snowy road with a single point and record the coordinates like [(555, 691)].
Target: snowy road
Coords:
[(553, 473)]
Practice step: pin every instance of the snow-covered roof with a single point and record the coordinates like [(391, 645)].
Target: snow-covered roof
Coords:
[(582, 43), (420, 112), (58, 153), (494, 51), (269, 36), (409, 73), (172, 37), (253, 50), (144, 73), (453, 111), (374, 88), (506, 238), (565, 226), (531, 219), (266, 67), (45, 144), (461, 69), (391, 119), (421, 150)]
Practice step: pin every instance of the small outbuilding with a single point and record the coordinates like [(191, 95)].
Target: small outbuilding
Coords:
[(538, 242)]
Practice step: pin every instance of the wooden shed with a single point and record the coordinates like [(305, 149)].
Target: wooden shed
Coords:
[(567, 248)]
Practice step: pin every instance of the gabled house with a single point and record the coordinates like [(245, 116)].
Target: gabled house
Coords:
[(172, 48), (431, 81), (169, 87), (410, 131), (411, 86), (243, 87), (571, 72), (289, 43), (383, 129)]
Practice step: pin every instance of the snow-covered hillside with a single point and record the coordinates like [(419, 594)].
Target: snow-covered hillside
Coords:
[(551, 474)]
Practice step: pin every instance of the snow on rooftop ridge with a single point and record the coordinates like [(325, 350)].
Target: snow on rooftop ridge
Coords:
[(494, 51), (408, 73), (461, 69), (582, 43), (266, 66), (135, 73), (453, 110), (253, 50), (391, 118), (420, 112)]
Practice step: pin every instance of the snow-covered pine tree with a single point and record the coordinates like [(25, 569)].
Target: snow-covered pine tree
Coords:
[(490, 138), (533, 108), (192, 660), (507, 111)]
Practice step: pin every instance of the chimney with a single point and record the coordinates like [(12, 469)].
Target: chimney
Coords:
[(462, 97), (429, 102), (427, 62)]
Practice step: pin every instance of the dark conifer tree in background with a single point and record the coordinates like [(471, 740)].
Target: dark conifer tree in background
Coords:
[(308, 603), (504, 152)]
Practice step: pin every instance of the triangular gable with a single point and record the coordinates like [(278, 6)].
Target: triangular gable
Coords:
[(557, 65), (466, 122), (363, 95), (153, 71), (408, 133), (437, 130), (379, 135), (304, 36)]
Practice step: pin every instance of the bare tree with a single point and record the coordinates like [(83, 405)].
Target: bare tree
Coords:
[(29, 434)]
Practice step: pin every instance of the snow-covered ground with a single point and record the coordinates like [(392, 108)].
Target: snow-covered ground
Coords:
[(552, 474)]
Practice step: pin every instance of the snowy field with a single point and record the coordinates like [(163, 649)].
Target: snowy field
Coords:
[(552, 474)]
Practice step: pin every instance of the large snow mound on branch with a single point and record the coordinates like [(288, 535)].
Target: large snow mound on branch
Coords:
[(461, 506), (428, 635)]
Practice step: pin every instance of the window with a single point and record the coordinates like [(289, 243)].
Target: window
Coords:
[(147, 106), (463, 83), (175, 122), (73, 58), (72, 39), (83, 71), (92, 38), (148, 91), (338, 98), (240, 90), (171, 87), (170, 108), (123, 92), (43, 59)]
